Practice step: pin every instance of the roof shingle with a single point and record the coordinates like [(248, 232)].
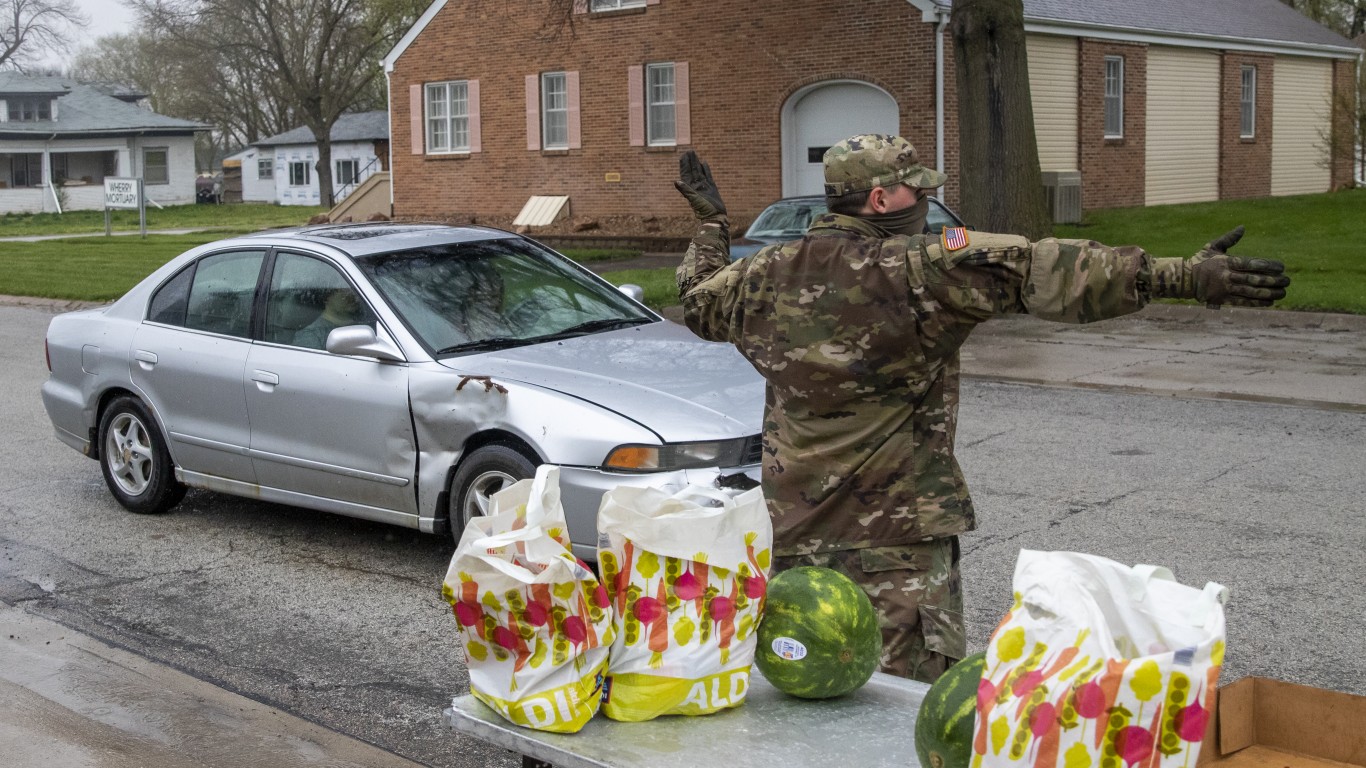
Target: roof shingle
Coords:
[(356, 126), (1247, 20), (86, 109)]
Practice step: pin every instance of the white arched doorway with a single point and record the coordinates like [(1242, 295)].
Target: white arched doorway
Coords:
[(820, 115)]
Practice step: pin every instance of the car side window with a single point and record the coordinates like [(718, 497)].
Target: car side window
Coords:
[(222, 291), (171, 299), (938, 218), (308, 298)]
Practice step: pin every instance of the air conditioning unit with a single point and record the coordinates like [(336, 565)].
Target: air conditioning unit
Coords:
[(1062, 190)]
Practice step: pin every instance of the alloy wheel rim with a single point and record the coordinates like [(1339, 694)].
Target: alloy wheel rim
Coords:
[(478, 499), (128, 454)]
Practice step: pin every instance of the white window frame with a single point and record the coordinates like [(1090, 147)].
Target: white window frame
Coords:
[(657, 98), (1113, 97), (265, 168), (554, 101), (1247, 102), (338, 179), (448, 117), (27, 109), (295, 165), (165, 177), (614, 5)]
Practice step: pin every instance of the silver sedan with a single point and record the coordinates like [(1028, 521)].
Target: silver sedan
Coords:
[(400, 373)]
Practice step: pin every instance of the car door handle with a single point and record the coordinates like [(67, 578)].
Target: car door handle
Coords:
[(146, 360), (265, 377)]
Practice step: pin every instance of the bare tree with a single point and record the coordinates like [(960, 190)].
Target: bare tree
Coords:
[(1002, 188), (1347, 17), (31, 28), (311, 60)]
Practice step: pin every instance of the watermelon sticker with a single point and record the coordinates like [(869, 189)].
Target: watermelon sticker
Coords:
[(787, 648)]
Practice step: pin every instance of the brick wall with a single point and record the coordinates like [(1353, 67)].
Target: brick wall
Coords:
[(1245, 164), (745, 60), (1344, 108), (1112, 170)]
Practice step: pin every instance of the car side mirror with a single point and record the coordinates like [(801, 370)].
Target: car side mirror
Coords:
[(361, 341), (634, 291)]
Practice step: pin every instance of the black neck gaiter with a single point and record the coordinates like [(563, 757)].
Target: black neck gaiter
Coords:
[(907, 221)]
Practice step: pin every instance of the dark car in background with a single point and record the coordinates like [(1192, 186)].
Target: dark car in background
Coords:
[(788, 219)]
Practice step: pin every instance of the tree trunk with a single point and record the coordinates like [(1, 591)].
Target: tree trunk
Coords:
[(1002, 189), (324, 139)]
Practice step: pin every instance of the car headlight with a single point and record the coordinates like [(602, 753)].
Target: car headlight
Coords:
[(671, 456)]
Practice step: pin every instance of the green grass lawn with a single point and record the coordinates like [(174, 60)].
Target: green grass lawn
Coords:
[(1319, 237), (660, 289), (244, 216), (89, 268), (104, 268)]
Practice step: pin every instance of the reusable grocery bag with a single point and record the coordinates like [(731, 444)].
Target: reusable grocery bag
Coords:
[(1098, 665), (534, 620), (686, 581)]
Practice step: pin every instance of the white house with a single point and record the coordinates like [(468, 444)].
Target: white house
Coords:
[(60, 138), (257, 174), (283, 168)]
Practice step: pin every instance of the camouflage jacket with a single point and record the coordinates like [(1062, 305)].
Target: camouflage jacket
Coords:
[(857, 335)]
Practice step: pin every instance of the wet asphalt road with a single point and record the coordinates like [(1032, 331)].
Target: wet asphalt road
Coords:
[(340, 621)]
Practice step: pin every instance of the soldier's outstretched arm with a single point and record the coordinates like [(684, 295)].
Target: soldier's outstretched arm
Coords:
[(1216, 278), (1081, 281), (708, 282), (977, 275)]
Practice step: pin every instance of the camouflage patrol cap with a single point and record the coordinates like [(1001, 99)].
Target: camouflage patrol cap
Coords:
[(862, 162)]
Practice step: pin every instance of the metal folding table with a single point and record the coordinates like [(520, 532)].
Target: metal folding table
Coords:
[(874, 727)]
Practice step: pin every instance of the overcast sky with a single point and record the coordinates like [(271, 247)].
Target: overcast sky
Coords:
[(107, 17)]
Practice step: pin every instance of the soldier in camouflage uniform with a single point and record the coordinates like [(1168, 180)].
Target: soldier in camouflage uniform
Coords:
[(856, 327)]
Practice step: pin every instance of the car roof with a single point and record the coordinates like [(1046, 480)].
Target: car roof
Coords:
[(382, 237)]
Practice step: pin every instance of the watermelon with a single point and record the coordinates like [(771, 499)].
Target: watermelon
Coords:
[(819, 637), (943, 729)]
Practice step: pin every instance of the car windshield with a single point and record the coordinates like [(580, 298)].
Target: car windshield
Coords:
[(790, 220), (785, 220), (493, 294)]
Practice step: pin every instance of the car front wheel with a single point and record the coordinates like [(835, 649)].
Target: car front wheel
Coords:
[(134, 459), (483, 473)]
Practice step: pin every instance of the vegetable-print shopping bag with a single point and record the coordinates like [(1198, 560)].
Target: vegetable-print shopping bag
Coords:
[(687, 582), (1098, 665), (535, 623)]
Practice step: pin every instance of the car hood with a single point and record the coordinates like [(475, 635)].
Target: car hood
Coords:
[(741, 247), (658, 375)]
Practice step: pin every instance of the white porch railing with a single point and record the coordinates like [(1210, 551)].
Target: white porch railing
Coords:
[(369, 170)]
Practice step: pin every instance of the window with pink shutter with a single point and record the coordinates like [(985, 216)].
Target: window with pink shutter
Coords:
[(553, 111), (452, 117), (659, 104)]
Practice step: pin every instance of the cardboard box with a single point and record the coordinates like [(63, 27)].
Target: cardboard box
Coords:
[(1261, 723)]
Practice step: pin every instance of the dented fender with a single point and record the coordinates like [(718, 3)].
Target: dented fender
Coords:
[(450, 407)]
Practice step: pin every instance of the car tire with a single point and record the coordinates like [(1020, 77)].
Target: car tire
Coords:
[(482, 473), (135, 461)]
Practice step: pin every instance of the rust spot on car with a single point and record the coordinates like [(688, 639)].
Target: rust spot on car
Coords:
[(488, 382)]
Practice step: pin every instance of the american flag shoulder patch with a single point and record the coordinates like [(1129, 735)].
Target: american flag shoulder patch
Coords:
[(955, 238)]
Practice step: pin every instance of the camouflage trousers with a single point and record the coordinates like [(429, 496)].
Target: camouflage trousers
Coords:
[(918, 596)]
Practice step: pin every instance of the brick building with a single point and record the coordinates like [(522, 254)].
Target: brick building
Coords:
[(1163, 101)]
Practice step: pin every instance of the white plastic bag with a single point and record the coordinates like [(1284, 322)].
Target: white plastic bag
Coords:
[(687, 582), (1098, 664), (535, 623)]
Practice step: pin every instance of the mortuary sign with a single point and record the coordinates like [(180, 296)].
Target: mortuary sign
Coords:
[(124, 193)]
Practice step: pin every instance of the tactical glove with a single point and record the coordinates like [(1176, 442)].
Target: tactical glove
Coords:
[(697, 186), (1214, 277)]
